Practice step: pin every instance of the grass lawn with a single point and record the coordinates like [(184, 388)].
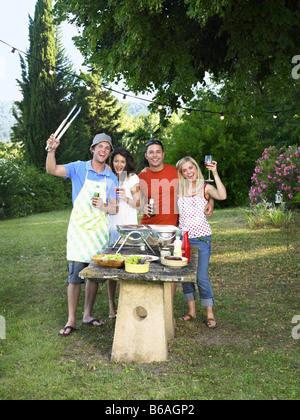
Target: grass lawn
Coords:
[(252, 354)]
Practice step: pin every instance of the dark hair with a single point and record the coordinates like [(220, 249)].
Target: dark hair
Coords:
[(149, 143), (155, 142), (130, 164)]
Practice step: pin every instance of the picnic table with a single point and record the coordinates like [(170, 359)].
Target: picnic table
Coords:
[(145, 320)]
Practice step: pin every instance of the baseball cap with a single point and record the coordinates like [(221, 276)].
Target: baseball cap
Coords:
[(99, 138)]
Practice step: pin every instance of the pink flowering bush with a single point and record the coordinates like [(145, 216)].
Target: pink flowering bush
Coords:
[(276, 170)]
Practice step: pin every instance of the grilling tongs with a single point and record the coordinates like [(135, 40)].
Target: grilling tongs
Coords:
[(64, 126)]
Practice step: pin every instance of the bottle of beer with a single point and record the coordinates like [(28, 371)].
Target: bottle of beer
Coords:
[(97, 193), (151, 202)]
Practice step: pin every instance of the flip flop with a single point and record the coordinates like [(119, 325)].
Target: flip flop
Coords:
[(92, 321), (68, 327), (188, 316), (208, 323)]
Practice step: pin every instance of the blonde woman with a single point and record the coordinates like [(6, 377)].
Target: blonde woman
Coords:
[(192, 199)]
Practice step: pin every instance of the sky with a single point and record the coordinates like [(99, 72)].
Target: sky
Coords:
[(14, 31)]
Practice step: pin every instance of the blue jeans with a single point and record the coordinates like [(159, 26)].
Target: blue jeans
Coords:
[(204, 286)]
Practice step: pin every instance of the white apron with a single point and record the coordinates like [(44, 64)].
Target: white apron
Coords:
[(88, 231)]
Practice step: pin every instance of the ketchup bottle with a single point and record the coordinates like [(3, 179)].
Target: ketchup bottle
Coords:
[(186, 246)]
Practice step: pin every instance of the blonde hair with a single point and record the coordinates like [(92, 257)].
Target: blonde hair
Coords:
[(184, 183)]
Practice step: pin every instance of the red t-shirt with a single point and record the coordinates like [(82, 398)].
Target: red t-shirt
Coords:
[(162, 186)]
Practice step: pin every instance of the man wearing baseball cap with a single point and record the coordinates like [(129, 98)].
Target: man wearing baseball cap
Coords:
[(93, 197)]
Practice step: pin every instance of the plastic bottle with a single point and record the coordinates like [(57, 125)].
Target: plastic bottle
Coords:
[(177, 247), (186, 246)]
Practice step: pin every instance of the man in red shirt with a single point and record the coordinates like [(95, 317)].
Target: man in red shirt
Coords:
[(160, 181)]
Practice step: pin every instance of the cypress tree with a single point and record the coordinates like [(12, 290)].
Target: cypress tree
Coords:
[(48, 98), (37, 109)]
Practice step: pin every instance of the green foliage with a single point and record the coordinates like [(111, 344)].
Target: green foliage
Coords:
[(232, 142), (99, 113), (24, 190), (267, 214), (135, 140), (155, 46), (40, 85), (12, 150), (166, 46), (257, 101), (47, 99)]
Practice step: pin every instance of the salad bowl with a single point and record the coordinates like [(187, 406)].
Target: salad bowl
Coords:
[(109, 260)]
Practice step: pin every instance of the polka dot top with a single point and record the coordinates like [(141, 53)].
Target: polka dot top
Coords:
[(192, 217)]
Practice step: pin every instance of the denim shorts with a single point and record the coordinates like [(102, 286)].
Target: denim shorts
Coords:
[(203, 282), (74, 268)]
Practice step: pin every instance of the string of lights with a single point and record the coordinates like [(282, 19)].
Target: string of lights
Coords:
[(160, 106)]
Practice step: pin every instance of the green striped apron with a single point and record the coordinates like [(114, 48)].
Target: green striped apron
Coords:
[(88, 231)]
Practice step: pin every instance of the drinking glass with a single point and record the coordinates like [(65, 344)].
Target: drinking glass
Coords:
[(207, 161)]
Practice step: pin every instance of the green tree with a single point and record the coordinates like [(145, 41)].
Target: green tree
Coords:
[(48, 98), (135, 140), (166, 46), (232, 142), (38, 86), (100, 113)]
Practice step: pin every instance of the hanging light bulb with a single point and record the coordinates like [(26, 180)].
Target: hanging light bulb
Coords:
[(160, 106), (188, 112), (222, 117), (13, 51), (51, 71), (88, 86), (275, 115), (124, 97)]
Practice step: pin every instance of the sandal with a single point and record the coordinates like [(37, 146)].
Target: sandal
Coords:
[(208, 323), (188, 316), (91, 323), (68, 327)]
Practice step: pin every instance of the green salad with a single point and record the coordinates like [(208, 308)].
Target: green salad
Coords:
[(134, 259), (110, 257)]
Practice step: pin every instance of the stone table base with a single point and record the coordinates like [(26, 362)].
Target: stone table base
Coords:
[(143, 323)]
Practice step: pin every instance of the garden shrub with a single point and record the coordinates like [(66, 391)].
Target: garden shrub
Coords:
[(24, 190), (267, 214), (277, 170)]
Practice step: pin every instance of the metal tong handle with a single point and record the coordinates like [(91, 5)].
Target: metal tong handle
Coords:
[(64, 126)]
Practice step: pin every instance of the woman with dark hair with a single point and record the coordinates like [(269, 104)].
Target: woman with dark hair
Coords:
[(123, 166)]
